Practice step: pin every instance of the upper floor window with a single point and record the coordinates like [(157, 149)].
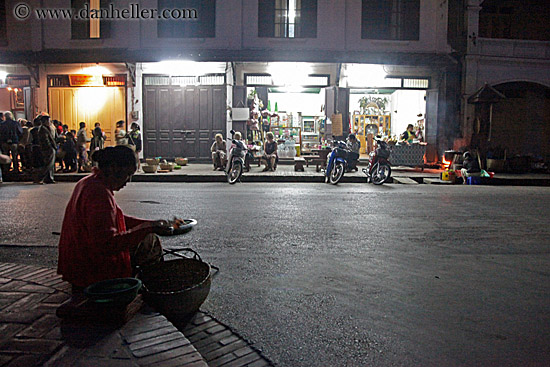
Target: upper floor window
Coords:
[(3, 28), (287, 18), (390, 19), (93, 26), (188, 19)]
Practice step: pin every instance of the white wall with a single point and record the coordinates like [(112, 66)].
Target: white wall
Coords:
[(408, 104)]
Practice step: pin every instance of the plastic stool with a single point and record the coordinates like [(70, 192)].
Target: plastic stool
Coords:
[(473, 180)]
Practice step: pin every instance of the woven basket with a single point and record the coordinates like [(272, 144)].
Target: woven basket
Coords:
[(177, 288)]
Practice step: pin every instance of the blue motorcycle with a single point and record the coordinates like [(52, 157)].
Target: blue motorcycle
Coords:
[(337, 163)]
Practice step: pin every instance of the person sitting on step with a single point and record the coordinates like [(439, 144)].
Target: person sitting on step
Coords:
[(270, 157), (219, 153)]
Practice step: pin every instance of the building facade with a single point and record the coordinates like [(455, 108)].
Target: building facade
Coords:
[(110, 69), (506, 49)]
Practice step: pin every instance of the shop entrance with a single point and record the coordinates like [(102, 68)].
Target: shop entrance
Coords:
[(105, 105), (182, 121)]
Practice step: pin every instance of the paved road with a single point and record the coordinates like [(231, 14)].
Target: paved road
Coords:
[(348, 275)]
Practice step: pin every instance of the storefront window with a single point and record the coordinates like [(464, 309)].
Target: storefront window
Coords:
[(197, 19), (287, 18), (390, 19)]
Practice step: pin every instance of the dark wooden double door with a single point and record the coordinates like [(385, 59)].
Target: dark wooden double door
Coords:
[(182, 121)]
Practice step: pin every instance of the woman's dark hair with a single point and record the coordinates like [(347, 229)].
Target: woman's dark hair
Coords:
[(134, 125), (120, 123), (120, 156), (97, 131), (82, 124)]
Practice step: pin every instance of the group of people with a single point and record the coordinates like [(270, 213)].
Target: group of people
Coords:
[(38, 145), (30, 146), (220, 153)]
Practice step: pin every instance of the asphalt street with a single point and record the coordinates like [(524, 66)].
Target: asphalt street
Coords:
[(347, 275)]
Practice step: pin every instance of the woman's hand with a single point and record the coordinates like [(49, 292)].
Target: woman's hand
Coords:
[(162, 227)]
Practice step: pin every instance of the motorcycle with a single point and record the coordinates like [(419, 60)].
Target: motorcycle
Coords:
[(337, 163), (378, 170), (235, 161)]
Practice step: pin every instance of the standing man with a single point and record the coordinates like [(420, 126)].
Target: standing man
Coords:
[(10, 133), (48, 147), (81, 140)]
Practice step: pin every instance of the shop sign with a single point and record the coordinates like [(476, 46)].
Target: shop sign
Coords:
[(83, 80)]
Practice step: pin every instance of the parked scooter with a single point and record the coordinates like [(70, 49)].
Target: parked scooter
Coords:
[(235, 161), (337, 162), (378, 170)]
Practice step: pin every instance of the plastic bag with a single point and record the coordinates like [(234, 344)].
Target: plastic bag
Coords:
[(485, 173)]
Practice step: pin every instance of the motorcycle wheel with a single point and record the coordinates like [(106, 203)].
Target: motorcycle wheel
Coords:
[(336, 173), (235, 172), (381, 174)]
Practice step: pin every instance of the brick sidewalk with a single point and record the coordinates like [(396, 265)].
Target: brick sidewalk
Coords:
[(32, 335)]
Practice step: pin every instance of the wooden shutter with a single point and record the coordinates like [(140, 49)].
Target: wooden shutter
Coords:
[(105, 24), (207, 19), (266, 18), (375, 19), (3, 28), (308, 22), (410, 28), (80, 28)]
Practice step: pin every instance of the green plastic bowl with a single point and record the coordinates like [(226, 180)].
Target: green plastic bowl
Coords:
[(118, 291)]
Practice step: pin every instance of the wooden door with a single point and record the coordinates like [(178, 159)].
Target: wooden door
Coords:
[(105, 105), (182, 121)]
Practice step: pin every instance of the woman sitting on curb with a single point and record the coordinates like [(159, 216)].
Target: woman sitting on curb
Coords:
[(97, 238)]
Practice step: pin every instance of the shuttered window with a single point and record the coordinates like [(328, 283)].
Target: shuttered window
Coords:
[(390, 19), (190, 19), (287, 18), (80, 28), (3, 28)]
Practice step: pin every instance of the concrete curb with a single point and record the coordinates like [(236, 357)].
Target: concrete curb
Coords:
[(203, 174)]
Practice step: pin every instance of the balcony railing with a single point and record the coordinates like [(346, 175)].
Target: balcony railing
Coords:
[(524, 49)]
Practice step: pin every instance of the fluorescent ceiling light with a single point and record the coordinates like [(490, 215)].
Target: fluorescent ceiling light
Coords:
[(289, 73), (366, 75), (3, 76), (96, 70), (184, 68)]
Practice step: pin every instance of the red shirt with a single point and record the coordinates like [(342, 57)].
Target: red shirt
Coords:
[(96, 235)]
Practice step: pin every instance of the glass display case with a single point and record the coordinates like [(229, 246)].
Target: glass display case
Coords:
[(289, 140), (310, 134)]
